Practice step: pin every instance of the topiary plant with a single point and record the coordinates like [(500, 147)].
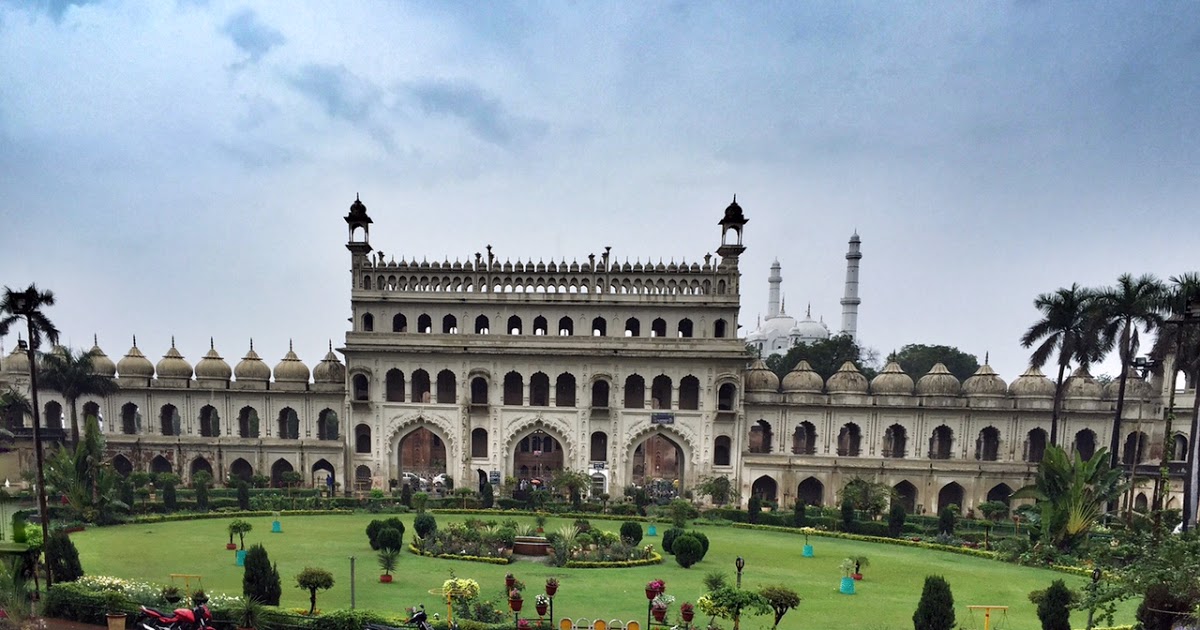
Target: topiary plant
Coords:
[(424, 524), (703, 542), (631, 532), (935, 611), (1054, 607), (669, 537), (896, 518), (373, 533), (688, 549), (313, 579), (390, 538), (260, 580), (62, 559)]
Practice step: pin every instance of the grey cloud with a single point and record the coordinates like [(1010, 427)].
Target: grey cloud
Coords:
[(484, 114), (341, 93), (56, 9), (251, 35)]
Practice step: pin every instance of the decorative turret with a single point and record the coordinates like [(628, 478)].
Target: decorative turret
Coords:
[(760, 378), (291, 373), (18, 361), (774, 281), (985, 382), (134, 368), (251, 372), (173, 369), (359, 244), (892, 381), (803, 380), (733, 221), (101, 364), (1032, 384), (847, 380), (938, 382), (851, 301), (212, 370), (330, 370)]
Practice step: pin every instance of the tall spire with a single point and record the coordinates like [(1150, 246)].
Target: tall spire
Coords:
[(774, 281), (851, 301)]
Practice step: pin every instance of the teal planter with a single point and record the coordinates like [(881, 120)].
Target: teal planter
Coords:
[(847, 586), (276, 528), (652, 531), (241, 558), (808, 551)]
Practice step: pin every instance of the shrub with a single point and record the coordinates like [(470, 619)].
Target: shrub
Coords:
[(1053, 609), (946, 520), (419, 501), (406, 495), (703, 542), (390, 538), (631, 532), (896, 518), (753, 508), (688, 549), (798, 514), (260, 580), (62, 559), (935, 611), (202, 498), (1162, 606), (373, 529), (243, 496), (127, 494), (313, 579), (669, 537), (18, 527), (424, 524), (395, 523), (487, 496), (169, 500), (849, 517)]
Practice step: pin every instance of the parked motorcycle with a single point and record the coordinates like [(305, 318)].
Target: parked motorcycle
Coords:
[(197, 618)]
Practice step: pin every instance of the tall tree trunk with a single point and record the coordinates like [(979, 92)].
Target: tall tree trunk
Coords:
[(74, 421), (37, 448), (1114, 442), (1058, 394), (1160, 486), (1191, 483)]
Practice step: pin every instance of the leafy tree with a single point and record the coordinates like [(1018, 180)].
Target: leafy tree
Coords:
[(849, 516), (896, 517), (753, 508), (947, 518), (82, 475), (1183, 343), (1162, 608), (1071, 494), (825, 356), (487, 496), (15, 405), (260, 579), (1069, 326), (631, 532), (71, 374), (719, 488), (424, 525), (687, 549), (935, 611), (781, 599), (798, 518), (1054, 606), (312, 580), (681, 511), (870, 497), (62, 559), (994, 510), (731, 603), (574, 482), (240, 528), (916, 359)]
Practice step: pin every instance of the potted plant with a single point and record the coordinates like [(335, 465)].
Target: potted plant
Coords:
[(171, 594), (687, 611), (847, 587), (541, 522), (230, 546), (509, 581), (199, 597), (249, 615), (541, 603), (387, 562), (659, 606), (654, 587), (859, 563), (551, 586), (515, 600)]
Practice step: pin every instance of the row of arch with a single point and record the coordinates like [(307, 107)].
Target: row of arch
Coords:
[(811, 491), (239, 468), (515, 325), (461, 284), (420, 388), (287, 422)]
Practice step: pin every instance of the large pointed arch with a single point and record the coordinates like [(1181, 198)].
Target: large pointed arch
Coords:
[(811, 492)]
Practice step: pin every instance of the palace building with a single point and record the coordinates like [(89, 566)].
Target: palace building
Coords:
[(506, 371)]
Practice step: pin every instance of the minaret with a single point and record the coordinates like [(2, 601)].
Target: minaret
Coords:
[(773, 297), (850, 302)]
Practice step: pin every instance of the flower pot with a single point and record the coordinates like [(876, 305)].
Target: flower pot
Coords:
[(515, 604), (541, 609), (808, 551), (230, 546), (687, 615), (386, 579), (551, 590), (651, 593), (241, 558), (659, 614), (847, 586), (509, 582), (857, 577), (116, 621)]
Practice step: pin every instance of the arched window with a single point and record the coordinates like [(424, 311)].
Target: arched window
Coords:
[(514, 325), (940, 442), (726, 397), (479, 391), (248, 422), (479, 443), (420, 386), (895, 441), (399, 323), (540, 326), (849, 440), (362, 439), (130, 419), (600, 394), (633, 327), (168, 420), (361, 389), (1135, 448), (1085, 443), (660, 392), (210, 422), (721, 451), (987, 445), (685, 328), (450, 325), (658, 327), (327, 425), (539, 390), (368, 322), (288, 424), (719, 327), (481, 325), (804, 439), (394, 389), (566, 327), (447, 388), (514, 389), (599, 327), (761, 437), (424, 323), (564, 390), (689, 393), (635, 392), (1036, 450), (52, 416), (1179, 447), (599, 449)]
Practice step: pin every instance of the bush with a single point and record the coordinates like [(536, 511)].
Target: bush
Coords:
[(1162, 606), (19, 535), (243, 495), (703, 542), (373, 529), (406, 495), (946, 520), (669, 537), (62, 559), (390, 538), (169, 498), (753, 508), (487, 495), (935, 611), (1053, 609), (424, 524), (849, 517), (896, 517), (260, 580), (631, 532), (872, 528), (202, 498), (688, 550), (798, 514)]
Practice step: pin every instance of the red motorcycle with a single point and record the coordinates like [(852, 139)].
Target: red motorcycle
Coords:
[(197, 618)]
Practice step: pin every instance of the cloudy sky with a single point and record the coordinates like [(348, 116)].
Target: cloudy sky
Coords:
[(182, 168)]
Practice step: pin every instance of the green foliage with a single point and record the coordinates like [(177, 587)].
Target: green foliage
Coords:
[(1161, 607), (62, 559), (994, 510), (731, 603), (681, 511), (703, 542), (798, 510), (753, 508), (424, 524), (387, 559), (373, 529), (825, 356), (243, 495), (313, 579), (688, 549), (82, 475), (719, 488), (896, 517), (917, 359), (1054, 606), (935, 611), (669, 536), (19, 535), (849, 515), (714, 580), (201, 498), (260, 579), (866, 496), (947, 518), (169, 499), (71, 373), (390, 538), (487, 496), (406, 496), (631, 532), (240, 528), (419, 501), (1071, 494), (781, 600)]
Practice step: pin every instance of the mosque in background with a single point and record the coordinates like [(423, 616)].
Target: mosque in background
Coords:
[(503, 370)]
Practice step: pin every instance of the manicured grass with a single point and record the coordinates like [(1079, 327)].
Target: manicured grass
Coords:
[(886, 598)]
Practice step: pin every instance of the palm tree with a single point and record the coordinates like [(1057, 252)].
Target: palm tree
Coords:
[(1068, 325), (1123, 310), (71, 374), (13, 402), (1180, 340), (28, 305), (1071, 494)]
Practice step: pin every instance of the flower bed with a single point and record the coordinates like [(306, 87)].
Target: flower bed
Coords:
[(468, 540)]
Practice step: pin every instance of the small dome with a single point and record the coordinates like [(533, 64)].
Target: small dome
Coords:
[(1082, 385), (1032, 384), (135, 364), (892, 380), (847, 380), (212, 366), (1136, 387), (760, 378), (291, 369), (251, 367), (778, 326), (938, 382), (18, 361), (173, 365), (733, 213), (809, 329), (803, 379), (985, 382), (101, 364), (330, 369), (358, 211)]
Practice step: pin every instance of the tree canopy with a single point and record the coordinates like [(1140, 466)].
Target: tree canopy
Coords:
[(916, 359), (825, 356)]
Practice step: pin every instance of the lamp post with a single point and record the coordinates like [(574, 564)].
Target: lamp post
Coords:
[(740, 563), (23, 306)]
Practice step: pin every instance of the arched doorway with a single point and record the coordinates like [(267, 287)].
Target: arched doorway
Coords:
[(323, 474), (122, 465), (280, 467), (241, 469), (160, 465), (422, 453), (765, 488), (950, 494), (1000, 492), (906, 493), (811, 492), (658, 466), (536, 457), (201, 464)]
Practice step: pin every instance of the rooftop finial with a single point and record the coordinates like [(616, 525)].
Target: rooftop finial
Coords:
[(252, 344), (95, 340), (289, 345), (808, 311), (211, 345), (172, 341), (985, 357), (135, 341), (331, 345)]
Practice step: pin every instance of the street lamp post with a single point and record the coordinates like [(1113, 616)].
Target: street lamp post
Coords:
[(740, 563), (24, 304)]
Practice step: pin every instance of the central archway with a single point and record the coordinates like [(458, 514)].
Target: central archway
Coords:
[(657, 466), (422, 453), (536, 457)]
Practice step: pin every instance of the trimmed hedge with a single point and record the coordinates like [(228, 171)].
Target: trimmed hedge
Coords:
[(453, 556), (655, 558)]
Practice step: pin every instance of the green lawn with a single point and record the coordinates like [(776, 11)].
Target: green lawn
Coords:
[(886, 598)]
